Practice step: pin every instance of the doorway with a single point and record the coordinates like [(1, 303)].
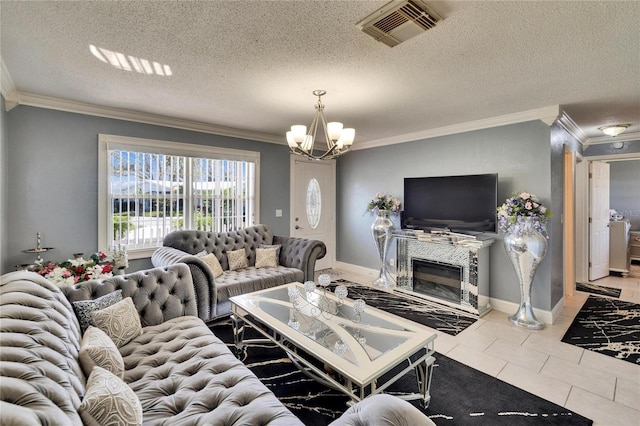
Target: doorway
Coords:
[(313, 204)]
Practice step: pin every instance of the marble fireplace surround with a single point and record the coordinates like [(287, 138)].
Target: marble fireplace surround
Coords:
[(470, 254)]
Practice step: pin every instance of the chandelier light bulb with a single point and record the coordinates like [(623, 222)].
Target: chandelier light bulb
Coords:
[(334, 129)]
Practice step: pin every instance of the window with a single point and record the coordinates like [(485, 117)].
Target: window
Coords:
[(150, 188)]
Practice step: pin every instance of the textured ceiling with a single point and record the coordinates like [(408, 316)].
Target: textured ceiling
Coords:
[(252, 65)]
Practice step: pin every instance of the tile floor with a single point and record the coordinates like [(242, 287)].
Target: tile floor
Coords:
[(597, 386)]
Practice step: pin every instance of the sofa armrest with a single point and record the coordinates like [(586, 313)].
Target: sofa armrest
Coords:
[(300, 253), (204, 282), (383, 410), (159, 294)]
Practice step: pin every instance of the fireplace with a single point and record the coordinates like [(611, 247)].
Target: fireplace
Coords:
[(435, 279)]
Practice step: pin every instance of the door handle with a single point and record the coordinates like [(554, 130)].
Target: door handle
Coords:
[(299, 227)]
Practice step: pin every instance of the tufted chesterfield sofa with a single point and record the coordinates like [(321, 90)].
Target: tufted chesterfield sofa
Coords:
[(180, 371), (296, 263)]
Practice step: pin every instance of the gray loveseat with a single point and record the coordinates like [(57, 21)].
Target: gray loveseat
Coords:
[(296, 262), (179, 370)]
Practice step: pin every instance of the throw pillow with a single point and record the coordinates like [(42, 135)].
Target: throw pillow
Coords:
[(237, 259), (109, 401), (266, 258), (213, 263), (97, 349), (121, 321), (277, 246), (84, 308)]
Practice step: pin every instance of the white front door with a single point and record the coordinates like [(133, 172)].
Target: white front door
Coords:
[(313, 204), (598, 220)]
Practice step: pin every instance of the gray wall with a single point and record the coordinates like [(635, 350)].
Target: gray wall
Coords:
[(630, 147), (3, 186), (625, 190), (521, 154), (53, 180)]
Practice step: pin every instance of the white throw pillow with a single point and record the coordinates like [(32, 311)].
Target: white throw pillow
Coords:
[(266, 258), (109, 401), (84, 308), (213, 263), (237, 259), (97, 349), (121, 321)]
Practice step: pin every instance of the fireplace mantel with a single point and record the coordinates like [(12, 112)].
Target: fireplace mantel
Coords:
[(469, 253)]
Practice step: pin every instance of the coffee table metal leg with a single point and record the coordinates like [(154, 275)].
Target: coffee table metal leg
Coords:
[(238, 333), (424, 372)]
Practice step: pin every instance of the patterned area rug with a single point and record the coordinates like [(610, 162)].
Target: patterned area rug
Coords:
[(460, 395), (608, 326), (434, 315), (598, 289)]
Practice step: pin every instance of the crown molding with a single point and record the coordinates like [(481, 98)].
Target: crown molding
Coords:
[(625, 137), (31, 99), (572, 128), (9, 92), (548, 115)]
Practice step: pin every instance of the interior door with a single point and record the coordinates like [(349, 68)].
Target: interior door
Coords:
[(313, 204), (598, 220)]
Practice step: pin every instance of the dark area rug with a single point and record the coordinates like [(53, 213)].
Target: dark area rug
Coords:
[(460, 395), (434, 315), (598, 289), (608, 326)]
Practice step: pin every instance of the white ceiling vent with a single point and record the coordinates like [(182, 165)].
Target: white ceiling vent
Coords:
[(398, 21)]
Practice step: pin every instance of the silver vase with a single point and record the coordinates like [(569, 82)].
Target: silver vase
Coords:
[(526, 248), (381, 231)]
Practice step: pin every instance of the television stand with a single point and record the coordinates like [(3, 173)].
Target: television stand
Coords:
[(446, 267)]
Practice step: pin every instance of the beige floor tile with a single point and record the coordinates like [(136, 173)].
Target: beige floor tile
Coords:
[(628, 391), (475, 359), (444, 343), (610, 365), (475, 340), (554, 347), (537, 384), (595, 381), (505, 330), (526, 357), (602, 411)]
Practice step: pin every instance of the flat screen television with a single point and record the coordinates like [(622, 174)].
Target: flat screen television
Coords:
[(456, 203)]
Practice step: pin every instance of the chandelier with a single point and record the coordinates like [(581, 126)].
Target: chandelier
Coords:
[(338, 139)]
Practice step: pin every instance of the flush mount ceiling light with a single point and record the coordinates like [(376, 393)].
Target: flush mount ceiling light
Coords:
[(614, 130), (130, 63), (338, 139)]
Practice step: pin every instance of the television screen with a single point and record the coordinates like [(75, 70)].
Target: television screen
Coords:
[(457, 203)]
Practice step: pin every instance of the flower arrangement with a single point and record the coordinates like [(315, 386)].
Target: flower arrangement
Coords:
[(77, 270), (383, 201), (521, 206)]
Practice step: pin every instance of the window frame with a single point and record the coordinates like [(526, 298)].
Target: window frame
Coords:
[(107, 143)]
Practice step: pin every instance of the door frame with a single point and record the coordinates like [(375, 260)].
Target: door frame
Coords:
[(582, 203)]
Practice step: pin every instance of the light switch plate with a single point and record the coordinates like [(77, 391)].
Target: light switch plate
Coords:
[(278, 213)]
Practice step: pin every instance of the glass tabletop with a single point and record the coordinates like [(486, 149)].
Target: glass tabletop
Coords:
[(362, 340)]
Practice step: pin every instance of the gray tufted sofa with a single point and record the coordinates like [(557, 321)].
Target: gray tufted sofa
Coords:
[(180, 371), (296, 263)]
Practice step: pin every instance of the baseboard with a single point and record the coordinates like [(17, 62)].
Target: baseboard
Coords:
[(373, 273)]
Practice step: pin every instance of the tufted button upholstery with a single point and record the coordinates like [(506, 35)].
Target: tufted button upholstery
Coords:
[(383, 410), (159, 294), (212, 293)]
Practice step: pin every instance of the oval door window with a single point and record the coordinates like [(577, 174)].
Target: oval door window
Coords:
[(314, 202)]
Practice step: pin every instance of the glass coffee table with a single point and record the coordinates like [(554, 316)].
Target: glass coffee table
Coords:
[(359, 352)]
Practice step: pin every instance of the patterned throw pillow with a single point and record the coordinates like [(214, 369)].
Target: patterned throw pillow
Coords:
[(84, 308), (266, 258), (276, 246), (121, 321), (109, 401), (213, 263), (237, 259), (97, 349)]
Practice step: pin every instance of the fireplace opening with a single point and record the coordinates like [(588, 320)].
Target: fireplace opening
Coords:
[(440, 280)]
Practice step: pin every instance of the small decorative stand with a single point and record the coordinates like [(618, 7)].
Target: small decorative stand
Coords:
[(381, 230), (37, 250)]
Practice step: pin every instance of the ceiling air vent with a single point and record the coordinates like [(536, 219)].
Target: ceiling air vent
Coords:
[(398, 21)]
